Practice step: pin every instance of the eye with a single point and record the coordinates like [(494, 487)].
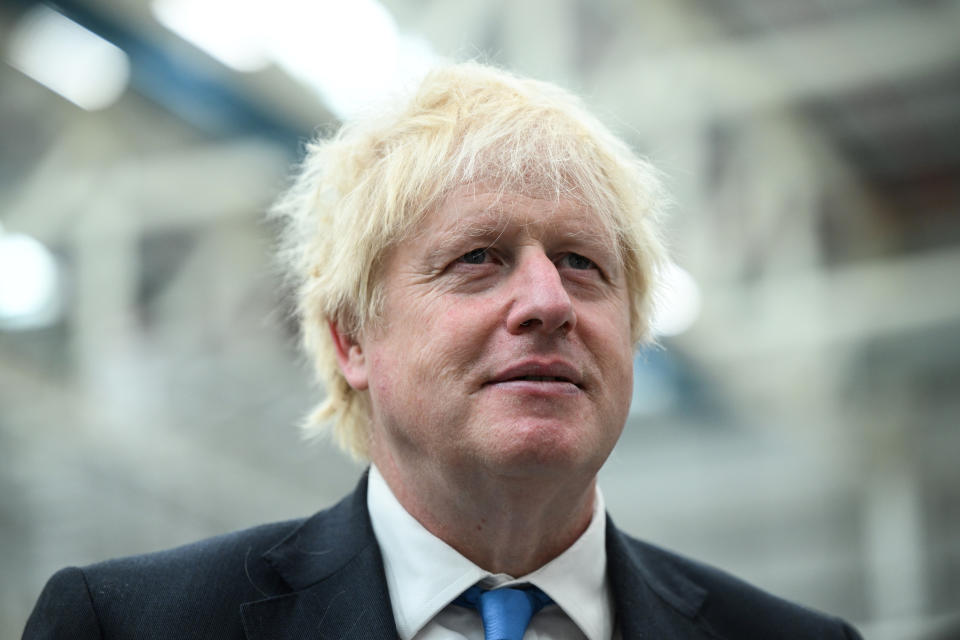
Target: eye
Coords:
[(577, 261), (477, 256)]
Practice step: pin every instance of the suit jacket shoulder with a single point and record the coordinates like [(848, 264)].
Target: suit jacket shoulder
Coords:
[(681, 598), (130, 597), (283, 580), (323, 577)]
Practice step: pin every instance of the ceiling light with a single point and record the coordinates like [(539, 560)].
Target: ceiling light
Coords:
[(68, 59), (229, 30), (678, 302), (350, 53), (29, 283)]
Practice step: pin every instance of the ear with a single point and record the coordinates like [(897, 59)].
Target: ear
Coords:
[(350, 356)]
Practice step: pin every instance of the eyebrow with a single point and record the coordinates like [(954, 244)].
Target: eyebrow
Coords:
[(457, 231), (493, 220)]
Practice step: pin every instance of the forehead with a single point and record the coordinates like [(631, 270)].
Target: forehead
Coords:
[(479, 210)]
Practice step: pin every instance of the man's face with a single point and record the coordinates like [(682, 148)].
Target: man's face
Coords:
[(505, 341)]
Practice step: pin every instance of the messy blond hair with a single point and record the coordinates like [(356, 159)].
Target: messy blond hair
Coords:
[(363, 190)]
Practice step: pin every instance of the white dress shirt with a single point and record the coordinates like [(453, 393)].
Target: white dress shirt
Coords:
[(424, 575)]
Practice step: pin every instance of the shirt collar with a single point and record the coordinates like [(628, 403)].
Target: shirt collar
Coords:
[(424, 574)]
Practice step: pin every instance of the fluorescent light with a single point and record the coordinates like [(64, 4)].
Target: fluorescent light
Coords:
[(229, 30), (29, 283), (349, 52), (678, 304), (68, 59)]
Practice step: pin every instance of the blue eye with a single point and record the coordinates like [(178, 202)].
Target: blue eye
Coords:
[(477, 256), (577, 261)]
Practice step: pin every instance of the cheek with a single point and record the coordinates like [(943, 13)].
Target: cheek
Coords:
[(616, 357), (383, 378), (396, 401), (452, 343)]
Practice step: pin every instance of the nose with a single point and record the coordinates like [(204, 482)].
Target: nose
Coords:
[(540, 302)]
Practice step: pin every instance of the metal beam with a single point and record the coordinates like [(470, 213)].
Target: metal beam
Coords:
[(845, 305), (734, 78)]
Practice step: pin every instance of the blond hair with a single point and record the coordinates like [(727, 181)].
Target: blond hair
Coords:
[(363, 190)]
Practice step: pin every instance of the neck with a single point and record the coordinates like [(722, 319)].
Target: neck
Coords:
[(501, 524)]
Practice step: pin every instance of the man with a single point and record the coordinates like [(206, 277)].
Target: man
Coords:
[(473, 271)]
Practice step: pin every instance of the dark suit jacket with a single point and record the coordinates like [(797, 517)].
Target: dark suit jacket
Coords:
[(322, 578)]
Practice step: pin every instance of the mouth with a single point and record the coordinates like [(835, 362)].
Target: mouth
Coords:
[(540, 373), (539, 379)]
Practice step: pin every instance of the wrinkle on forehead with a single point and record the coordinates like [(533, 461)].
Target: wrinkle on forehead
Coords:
[(488, 213)]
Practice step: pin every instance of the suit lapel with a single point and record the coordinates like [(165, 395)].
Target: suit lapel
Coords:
[(343, 606), (338, 589), (652, 601)]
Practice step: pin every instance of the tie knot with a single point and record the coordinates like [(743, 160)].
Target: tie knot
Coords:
[(505, 612)]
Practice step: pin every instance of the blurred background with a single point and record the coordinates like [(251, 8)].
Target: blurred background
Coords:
[(798, 426)]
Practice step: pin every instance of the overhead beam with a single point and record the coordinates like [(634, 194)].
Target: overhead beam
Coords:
[(176, 189), (843, 305), (733, 78)]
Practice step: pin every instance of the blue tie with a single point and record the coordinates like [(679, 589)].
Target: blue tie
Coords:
[(505, 612)]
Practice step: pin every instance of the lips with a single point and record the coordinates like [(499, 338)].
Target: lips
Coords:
[(540, 371)]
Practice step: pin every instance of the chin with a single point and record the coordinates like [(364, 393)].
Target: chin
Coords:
[(542, 447)]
